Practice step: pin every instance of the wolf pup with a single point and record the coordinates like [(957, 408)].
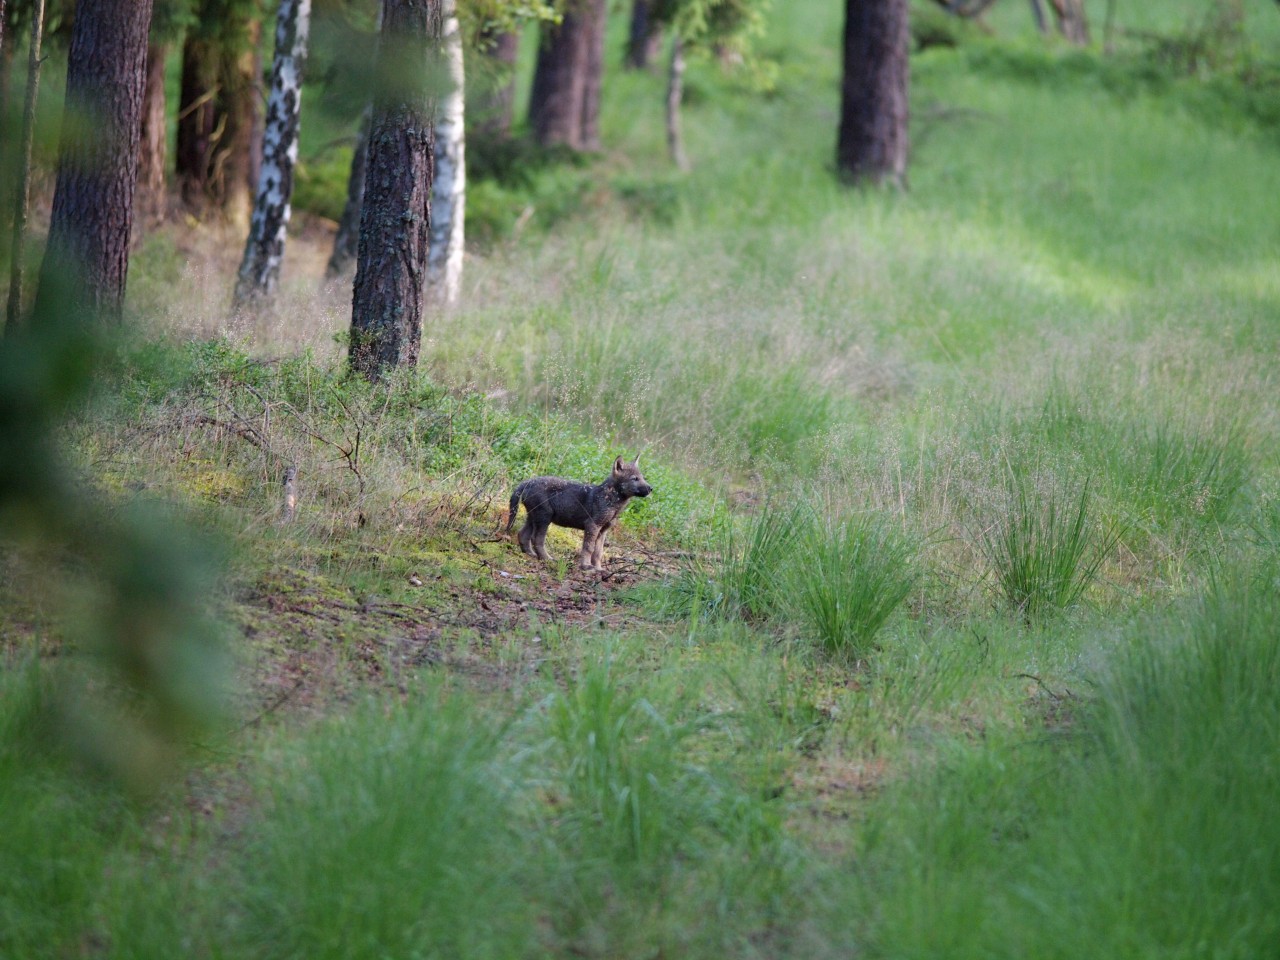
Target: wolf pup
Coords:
[(582, 506)]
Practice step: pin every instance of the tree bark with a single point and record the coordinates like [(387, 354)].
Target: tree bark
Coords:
[(218, 109), (149, 198), (596, 12), (1072, 23), (235, 172), (387, 300), (260, 269), (644, 38), (555, 101), (675, 94), (197, 120), (88, 246), (1037, 13), (347, 240), (21, 201), (449, 187), (494, 108), (6, 55), (872, 143)]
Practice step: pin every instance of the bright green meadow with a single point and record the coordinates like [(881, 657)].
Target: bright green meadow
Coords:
[(952, 627)]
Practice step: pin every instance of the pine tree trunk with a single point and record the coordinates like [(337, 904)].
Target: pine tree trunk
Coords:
[(88, 247), (196, 119), (872, 143), (494, 108), (596, 12), (555, 102), (233, 174), (1072, 22), (675, 94), (1037, 13), (260, 268), (21, 201), (387, 300), (644, 38), (6, 56), (149, 198), (449, 188), (346, 241)]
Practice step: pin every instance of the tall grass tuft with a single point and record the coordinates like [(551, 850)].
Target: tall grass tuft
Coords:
[(1045, 548), (847, 579)]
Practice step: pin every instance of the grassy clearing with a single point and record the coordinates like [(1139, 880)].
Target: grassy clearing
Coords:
[(947, 631)]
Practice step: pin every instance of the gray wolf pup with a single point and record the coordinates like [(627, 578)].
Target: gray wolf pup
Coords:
[(582, 506)]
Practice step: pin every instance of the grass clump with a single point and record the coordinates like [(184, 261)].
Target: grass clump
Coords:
[(1044, 546), (849, 578)]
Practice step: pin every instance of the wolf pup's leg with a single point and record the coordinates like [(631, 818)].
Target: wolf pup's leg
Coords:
[(540, 541), (526, 537)]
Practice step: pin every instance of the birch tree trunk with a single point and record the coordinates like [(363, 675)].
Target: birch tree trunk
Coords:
[(872, 143), (87, 257), (149, 196), (449, 189), (260, 268), (387, 299), (21, 200), (675, 94)]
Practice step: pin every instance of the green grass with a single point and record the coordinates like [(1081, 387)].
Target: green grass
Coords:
[(1041, 376)]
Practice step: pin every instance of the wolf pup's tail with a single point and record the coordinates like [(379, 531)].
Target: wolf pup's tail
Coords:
[(515, 505)]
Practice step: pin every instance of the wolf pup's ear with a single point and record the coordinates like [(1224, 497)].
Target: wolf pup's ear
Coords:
[(636, 462), (618, 465)]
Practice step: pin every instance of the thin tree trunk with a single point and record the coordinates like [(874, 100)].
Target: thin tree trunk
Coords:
[(197, 121), (88, 247), (233, 174), (1072, 23), (449, 188), (1109, 28), (597, 12), (7, 55), (17, 251), (347, 240), (644, 38), (873, 111), (1042, 22), (263, 251), (494, 108), (675, 93), (149, 198), (387, 299), (555, 102)]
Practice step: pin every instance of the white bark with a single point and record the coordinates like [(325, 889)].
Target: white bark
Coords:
[(449, 190), (264, 250)]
